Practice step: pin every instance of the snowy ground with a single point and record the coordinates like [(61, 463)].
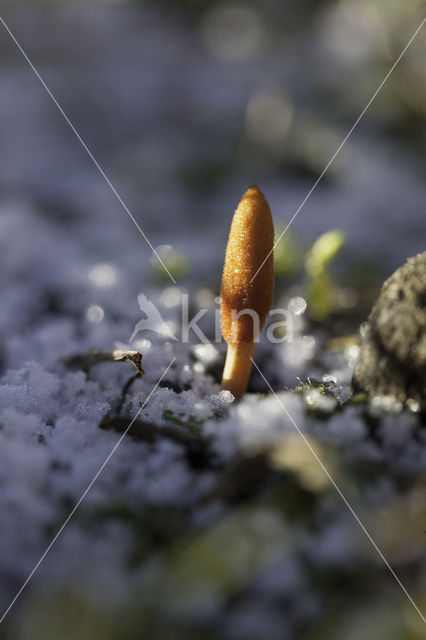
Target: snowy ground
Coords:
[(211, 518)]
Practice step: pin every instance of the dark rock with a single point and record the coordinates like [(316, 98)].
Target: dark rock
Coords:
[(392, 359)]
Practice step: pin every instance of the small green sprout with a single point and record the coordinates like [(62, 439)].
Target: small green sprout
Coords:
[(323, 252), (320, 288)]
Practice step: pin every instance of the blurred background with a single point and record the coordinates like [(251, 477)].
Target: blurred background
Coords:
[(184, 104)]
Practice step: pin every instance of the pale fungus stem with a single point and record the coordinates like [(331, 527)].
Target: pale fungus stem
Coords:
[(236, 372)]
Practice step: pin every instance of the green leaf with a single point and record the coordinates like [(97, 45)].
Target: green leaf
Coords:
[(323, 252)]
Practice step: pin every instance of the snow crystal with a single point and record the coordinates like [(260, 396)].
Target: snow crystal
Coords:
[(255, 423), (321, 402)]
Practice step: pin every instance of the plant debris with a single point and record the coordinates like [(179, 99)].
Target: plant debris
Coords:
[(87, 360)]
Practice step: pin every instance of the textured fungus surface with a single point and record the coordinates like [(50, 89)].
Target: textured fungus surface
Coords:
[(250, 241)]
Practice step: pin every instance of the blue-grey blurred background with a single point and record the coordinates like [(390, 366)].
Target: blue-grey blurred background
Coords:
[(184, 104)]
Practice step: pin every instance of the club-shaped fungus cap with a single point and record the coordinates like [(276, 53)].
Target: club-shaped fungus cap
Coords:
[(248, 273)]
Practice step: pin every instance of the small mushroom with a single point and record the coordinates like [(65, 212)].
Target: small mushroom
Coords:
[(247, 286)]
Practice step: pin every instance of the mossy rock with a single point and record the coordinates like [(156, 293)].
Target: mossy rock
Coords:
[(392, 359)]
